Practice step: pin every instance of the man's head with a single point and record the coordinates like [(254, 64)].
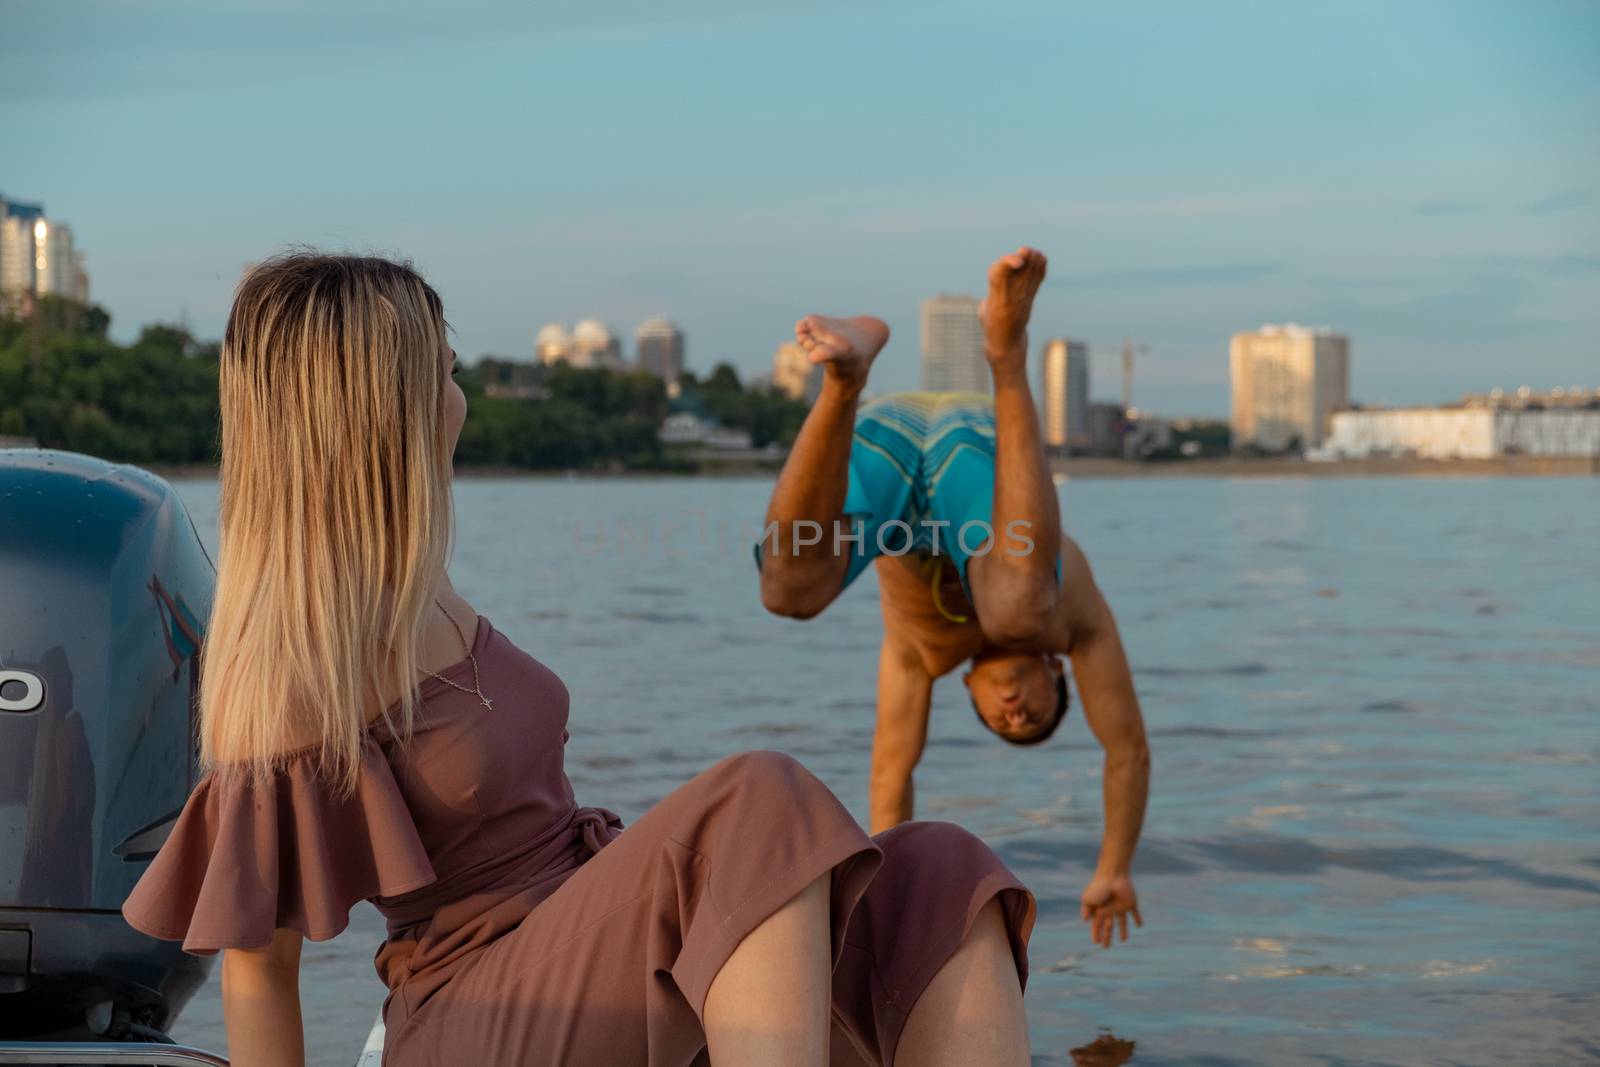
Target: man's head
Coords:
[(1022, 696)]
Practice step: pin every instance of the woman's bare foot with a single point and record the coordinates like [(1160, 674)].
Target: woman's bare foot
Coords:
[(1013, 282), (845, 346)]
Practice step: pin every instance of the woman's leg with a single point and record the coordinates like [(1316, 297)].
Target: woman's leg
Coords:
[(742, 879), (769, 1004), (972, 1010)]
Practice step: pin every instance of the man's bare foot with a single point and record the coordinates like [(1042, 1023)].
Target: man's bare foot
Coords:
[(845, 346), (1013, 282)]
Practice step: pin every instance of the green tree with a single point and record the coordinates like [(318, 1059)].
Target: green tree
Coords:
[(63, 383)]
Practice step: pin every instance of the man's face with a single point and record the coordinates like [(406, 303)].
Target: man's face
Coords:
[(1015, 693)]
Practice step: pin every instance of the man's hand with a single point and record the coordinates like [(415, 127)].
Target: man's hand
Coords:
[(1107, 903)]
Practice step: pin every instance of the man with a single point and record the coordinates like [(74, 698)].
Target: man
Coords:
[(952, 498)]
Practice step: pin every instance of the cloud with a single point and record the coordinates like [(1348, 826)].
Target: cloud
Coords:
[(1448, 207), (90, 49), (1488, 305), (1570, 200), (1034, 215), (1162, 277), (1562, 266)]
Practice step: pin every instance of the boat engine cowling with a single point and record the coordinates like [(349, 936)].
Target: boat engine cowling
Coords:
[(104, 590)]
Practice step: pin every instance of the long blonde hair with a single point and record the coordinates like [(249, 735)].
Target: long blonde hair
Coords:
[(335, 511)]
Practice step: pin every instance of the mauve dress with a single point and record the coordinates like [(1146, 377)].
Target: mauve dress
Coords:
[(524, 929)]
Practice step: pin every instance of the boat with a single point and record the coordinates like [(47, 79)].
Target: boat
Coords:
[(104, 591)]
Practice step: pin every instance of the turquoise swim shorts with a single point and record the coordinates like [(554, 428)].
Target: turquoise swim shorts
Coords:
[(921, 480)]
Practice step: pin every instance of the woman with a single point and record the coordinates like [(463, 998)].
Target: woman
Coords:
[(369, 736)]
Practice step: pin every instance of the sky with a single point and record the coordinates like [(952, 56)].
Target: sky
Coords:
[(1423, 177)]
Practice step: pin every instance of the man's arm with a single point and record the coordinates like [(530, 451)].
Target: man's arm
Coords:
[(801, 580), (801, 577), (1111, 708), (905, 691)]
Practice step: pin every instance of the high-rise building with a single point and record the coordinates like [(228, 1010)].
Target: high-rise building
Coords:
[(1287, 382), (659, 344), (594, 345), (794, 375), (37, 256), (952, 346), (58, 268), (19, 239), (1065, 395)]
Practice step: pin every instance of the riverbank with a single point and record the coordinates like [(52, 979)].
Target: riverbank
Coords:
[(1095, 467), (1295, 467)]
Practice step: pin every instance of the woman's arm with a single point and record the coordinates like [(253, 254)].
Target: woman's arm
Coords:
[(261, 1003)]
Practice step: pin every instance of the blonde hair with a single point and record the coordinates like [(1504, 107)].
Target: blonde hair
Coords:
[(335, 510)]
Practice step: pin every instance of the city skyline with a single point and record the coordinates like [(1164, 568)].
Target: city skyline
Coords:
[(1419, 175)]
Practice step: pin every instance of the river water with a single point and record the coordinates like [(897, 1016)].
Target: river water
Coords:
[(1374, 709)]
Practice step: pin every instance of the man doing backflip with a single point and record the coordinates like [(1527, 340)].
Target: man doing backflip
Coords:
[(951, 495)]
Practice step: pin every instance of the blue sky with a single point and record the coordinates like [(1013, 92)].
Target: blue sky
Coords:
[(1423, 176)]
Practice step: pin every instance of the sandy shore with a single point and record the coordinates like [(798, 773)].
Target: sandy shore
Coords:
[(1293, 467)]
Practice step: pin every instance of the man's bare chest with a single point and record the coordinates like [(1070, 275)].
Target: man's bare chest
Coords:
[(926, 608)]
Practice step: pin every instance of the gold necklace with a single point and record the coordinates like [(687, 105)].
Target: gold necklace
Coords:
[(936, 565), (477, 684)]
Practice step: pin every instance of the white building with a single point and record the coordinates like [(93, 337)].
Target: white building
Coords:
[(794, 375), (22, 226), (659, 347), (552, 344), (1064, 397), (590, 344), (58, 267), (594, 345), (687, 428), (952, 346), (1287, 381), (1465, 433), (37, 256), (16, 254)]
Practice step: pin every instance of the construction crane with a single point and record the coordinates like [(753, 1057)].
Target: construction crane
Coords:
[(1128, 350)]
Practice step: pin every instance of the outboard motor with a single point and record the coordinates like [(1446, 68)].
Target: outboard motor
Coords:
[(104, 590)]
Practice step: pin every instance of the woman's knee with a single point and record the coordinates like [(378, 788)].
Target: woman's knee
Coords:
[(766, 773), (936, 842), (941, 861)]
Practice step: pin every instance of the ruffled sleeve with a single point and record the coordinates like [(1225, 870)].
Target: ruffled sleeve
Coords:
[(247, 858)]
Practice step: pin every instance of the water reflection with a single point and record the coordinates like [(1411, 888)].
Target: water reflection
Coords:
[(1107, 1050), (58, 787)]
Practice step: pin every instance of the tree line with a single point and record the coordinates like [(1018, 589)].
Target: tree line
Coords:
[(65, 384)]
